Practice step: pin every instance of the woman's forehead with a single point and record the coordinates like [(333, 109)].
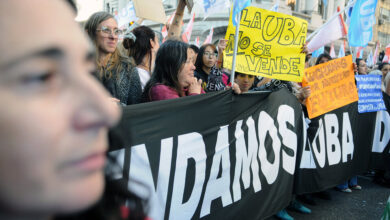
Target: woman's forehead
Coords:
[(111, 23), (209, 48)]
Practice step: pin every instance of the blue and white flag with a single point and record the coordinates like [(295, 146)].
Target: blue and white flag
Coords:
[(215, 6), (341, 51), (348, 12), (318, 52), (370, 93), (362, 21), (238, 6)]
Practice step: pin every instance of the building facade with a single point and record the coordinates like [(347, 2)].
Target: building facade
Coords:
[(313, 11)]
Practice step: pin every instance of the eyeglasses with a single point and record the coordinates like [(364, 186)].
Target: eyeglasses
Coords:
[(107, 31), (211, 55)]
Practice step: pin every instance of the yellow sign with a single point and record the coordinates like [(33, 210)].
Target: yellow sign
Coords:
[(269, 45), (332, 86)]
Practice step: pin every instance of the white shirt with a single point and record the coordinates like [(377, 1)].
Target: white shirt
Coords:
[(144, 77)]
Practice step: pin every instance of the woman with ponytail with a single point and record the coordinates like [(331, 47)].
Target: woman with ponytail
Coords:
[(142, 45)]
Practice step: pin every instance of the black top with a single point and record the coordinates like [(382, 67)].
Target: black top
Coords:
[(211, 82), (125, 86)]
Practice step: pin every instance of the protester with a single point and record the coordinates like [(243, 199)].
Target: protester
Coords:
[(195, 49), (207, 68), (173, 75), (323, 58), (387, 84), (54, 117), (142, 46), (361, 66), (174, 29), (244, 81), (384, 68), (116, 71), (307, 60)]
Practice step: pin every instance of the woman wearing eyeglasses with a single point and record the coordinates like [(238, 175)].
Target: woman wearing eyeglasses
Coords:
[(116, 71), (207, 64)]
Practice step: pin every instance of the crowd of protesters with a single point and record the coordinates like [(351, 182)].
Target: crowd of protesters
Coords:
[(49, 78)]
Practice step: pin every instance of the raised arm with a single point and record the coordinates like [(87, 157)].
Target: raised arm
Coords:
[(176, 26)]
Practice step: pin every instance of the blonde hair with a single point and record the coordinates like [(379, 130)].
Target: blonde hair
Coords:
[(115, 63)]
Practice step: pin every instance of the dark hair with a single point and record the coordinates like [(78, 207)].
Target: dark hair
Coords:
[(199, 60), (141, 46), (242, 74), (169, 60), (307, 57), (322, 56), (195, 48), (358, 61), (382, 65)]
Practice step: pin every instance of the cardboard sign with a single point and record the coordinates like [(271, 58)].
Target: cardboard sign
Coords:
[(126, 15), (332, 86), (370, 93), (270, 45), (151, 10)]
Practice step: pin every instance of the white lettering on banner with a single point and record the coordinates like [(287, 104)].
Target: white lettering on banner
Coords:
[(219, 187), (219, 184), (331, 148), (246, 160), (347, 136), (289, 138), (332, 141), (140, 168), (269, 169), (380, 141), (189, 146)]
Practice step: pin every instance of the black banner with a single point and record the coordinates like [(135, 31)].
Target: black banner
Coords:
[(227, 156), (380, 156), (337, 148)]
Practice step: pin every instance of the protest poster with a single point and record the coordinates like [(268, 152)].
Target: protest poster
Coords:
[(370, 93), (332, 86), (155, 13), (270, 45)]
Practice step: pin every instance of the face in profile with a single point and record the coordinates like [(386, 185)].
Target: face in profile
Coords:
[(385, 70), (54, 115), (107, 35), (209, 57), (186, 73), (244, 81), (362, 68)]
